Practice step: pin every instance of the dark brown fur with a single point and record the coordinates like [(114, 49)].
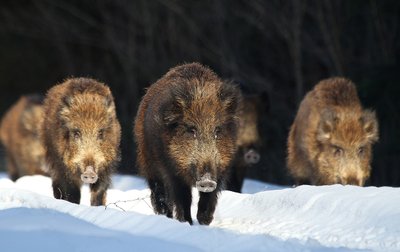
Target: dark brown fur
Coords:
[(81, 135), (185, 131), (249, 140), (19, 133), (331, 138)]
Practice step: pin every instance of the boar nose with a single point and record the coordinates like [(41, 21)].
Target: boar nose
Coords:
[(89, 176), (251, 157), (206, 184)]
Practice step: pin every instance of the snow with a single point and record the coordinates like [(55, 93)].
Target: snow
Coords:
[(264, 218)]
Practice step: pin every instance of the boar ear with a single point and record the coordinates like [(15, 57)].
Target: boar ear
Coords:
[(370, 125), (109, 104), (230, 97), (326, 125), (172, 113), (27, 120), (182, 96), (108, 101), (67, 101), (65, 111)]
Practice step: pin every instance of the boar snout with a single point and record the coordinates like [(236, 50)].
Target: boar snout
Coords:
[(89, 176), (251, 156), (206, 184)]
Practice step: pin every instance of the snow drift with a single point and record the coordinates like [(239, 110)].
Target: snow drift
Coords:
[(264, 218)]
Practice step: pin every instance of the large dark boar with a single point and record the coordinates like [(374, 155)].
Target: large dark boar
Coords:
[(19, 133), (249, 139), (81, 135), (331, 138), (185, 131)]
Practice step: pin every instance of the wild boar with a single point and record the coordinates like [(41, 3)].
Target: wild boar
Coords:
[(249, 139), (19, 134), (186, 130), (331, 138), (81, 135)]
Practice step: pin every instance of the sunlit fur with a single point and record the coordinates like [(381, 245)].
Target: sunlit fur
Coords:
[(19, 134), (331, 138), (186, 127), (80, 130)]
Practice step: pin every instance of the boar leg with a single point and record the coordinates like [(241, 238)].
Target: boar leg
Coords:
[(236, 177), (66, 191), (98, 193), (302, 181), (206, 207), (159, 198), (12, 167), (183, 200)]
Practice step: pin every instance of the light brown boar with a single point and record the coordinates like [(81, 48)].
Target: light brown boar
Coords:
[(81, 135), (186, 130), (331, 138), (19, 134)]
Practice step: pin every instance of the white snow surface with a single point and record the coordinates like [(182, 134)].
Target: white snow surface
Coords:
[(264, 218)]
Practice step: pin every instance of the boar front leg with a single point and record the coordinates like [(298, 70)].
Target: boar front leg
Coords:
[(12, 167), (66, 190), (99, 192), (236, 177), (206, 207), (159, 198), (183, 200)]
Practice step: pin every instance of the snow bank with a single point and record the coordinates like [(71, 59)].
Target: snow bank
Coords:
[(306, 218)]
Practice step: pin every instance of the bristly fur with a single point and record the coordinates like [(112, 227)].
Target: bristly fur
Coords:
[(19, 133), (331, 138), (80, 130), (186, 126)]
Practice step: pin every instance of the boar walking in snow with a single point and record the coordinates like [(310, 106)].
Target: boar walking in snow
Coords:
[(186, 130), (331, 138), (81, 135), (19, 134)]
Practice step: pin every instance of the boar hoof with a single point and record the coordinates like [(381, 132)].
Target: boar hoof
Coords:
[(204, 219)]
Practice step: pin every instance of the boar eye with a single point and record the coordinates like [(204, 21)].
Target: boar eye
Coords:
[(100, 134), (337, 151), (76, 134), (361, 150), (192, 131), (217, 132)]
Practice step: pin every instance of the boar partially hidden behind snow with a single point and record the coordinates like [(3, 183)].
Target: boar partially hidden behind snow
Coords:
[(81, 135), (185, 131), (331, 138), (19, 134)]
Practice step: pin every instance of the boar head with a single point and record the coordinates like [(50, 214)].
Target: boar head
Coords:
[(87, 120), (345, 137), (201, 123)]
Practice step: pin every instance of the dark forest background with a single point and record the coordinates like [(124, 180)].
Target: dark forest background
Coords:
[(281, 47)]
